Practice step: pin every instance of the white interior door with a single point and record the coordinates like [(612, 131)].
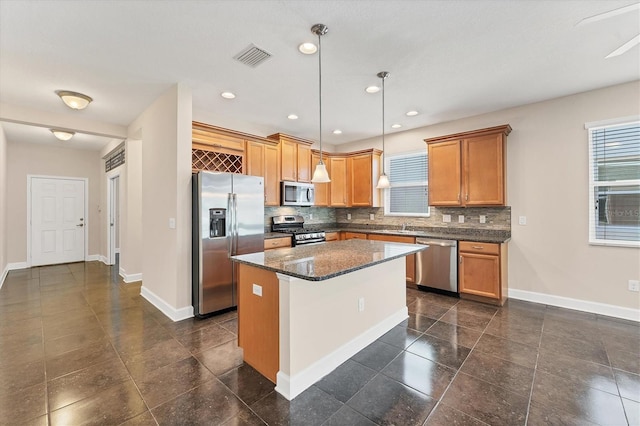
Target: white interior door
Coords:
[(57, 220), (114, 218)]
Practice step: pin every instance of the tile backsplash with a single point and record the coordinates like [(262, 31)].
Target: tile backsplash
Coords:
[(497, 218)]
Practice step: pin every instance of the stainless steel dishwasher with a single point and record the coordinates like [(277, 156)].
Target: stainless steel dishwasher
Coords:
[(437, 265)]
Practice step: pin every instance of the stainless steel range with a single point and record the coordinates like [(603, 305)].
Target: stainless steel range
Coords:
[(294, 225)]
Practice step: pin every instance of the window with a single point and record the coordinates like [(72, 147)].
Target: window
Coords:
[(614, 184), (408, 194)]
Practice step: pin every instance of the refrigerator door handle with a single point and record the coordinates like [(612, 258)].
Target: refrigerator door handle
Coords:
[(235, 223), (229, 224)]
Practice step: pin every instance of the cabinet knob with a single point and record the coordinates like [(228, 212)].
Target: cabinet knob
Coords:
[(461, 260), (458, 197), (467, 198)]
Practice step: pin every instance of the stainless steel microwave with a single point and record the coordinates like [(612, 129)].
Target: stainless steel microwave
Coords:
[(297, 194)]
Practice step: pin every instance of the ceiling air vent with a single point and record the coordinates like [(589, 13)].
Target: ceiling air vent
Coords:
[(252, 56)]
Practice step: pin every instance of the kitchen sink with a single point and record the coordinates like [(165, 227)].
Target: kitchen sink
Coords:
[(396, 231)]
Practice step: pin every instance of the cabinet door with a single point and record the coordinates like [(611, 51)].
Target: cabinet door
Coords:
[(288, 160), (354, 236), (304, 163), (479, 275), (483, 171), (361, 184), (444, 173), (271, 176), (338, 186), (255, 159), (321, 189)]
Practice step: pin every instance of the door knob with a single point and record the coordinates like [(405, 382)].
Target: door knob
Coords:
[(82, 224)]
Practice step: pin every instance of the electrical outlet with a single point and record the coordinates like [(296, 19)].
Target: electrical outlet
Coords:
[(522, 220), (348, 216), (172, 223), (310, 216), (361, 304), (483, 219), (634, 285), (257, 290), (446, 218), (372, 216), (460, 218)]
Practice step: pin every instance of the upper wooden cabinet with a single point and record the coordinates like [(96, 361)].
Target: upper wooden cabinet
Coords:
[(295, 157), (364, 172), (338, 188), (263, 160), (217, 149), (322, 190), (468, 169)]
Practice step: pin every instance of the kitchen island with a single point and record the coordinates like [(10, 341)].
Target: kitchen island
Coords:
[(303, 311)]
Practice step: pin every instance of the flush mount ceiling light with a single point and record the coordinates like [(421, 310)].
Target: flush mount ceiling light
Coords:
[(292, 117), (228, 95), (74, 100), (308, 48), (412, 113), (383, 181), (337, 132), (396, 126), (320, 175), (372, 89), (63, 135)]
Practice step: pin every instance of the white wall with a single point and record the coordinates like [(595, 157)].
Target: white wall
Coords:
[(3, 205), (547, 181), (28, 159), (165, 131)]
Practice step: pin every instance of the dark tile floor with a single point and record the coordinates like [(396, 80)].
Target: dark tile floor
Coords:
[(78, 346)]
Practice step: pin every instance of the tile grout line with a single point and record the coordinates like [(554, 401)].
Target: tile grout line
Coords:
[(535, 370)]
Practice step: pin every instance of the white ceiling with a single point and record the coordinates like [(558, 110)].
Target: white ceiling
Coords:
[(447, 59)]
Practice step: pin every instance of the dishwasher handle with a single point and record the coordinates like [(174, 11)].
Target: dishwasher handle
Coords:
[(441, 243)]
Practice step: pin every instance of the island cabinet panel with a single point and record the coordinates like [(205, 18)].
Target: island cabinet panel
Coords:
[(338, 186), (258, 320), (322, 198), (468, 169), (482, 271), (410, 259), (364, 173)]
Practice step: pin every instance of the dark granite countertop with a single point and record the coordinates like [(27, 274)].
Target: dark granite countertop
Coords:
[(460, 234), (318, 262)]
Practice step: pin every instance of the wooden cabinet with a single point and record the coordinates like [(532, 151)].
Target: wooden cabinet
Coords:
[(338, 191), (295, 157), (364, 172), (354, 236), (468, 169), (322, 190), (217, 149), (263, 160), (411, 259), (273, 243), (332, 236), (483, 271)]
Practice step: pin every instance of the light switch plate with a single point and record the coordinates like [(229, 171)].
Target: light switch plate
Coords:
[(446, 218), (310, 216), (257, 290), (483, 219), (460, 218), (348, 216), (172, 223), (522, 220), (372, 216)]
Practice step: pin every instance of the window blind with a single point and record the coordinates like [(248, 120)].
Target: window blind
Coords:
[(615, 184), (408, 194)]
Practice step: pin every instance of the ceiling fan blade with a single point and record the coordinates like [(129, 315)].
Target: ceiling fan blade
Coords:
[(625, 47), (609, 14)]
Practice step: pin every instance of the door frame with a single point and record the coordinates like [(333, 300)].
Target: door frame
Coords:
[(86, 211), (111, 250)]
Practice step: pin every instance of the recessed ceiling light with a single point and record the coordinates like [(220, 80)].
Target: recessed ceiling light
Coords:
[(372, 89), (308, 48), (412, 113), (292, 117), (396, 126), (337, 132), (74, 100), (63, 135), (228, 95)]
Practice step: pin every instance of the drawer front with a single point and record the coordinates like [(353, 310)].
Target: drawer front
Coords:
[(332, 236), (354, 235), (272, 243), (482, 248)]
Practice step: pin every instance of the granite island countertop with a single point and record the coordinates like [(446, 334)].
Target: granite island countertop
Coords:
[(318, 262)]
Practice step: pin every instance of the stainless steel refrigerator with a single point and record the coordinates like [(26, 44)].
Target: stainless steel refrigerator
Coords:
[(228, 219)]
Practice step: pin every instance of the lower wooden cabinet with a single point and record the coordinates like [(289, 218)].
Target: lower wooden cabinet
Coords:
[(332, 236), (482, 271), (273, 243), (354, 235)]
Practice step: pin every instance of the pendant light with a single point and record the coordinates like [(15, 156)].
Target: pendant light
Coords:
[(320, 174), (383, 181)]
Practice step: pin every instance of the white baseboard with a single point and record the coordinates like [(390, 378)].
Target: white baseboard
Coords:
[(577, 304), (164, 307), (129, 278), (292, 386), (94, 257), (11, 267)]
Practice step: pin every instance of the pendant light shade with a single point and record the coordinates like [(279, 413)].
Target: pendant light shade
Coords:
[(383, 181), (320, 174)]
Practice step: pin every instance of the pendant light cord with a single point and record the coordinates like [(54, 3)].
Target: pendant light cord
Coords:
[(320, 89), (383, 153)]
